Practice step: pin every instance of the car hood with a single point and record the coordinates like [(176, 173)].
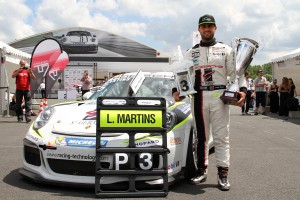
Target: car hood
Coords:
[(75, 118)]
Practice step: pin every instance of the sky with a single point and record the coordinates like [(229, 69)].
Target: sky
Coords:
[(161, 24)]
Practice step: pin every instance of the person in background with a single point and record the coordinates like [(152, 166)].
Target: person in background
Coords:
[(87, 82), (13, 106), (274, 97), (43, 89), (248, 94), (260, 84), (283, 89), (23, 76), (176, 95), (292, 88), (212, 63)]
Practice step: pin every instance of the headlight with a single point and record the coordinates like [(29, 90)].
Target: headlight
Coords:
[(93, 39), (64, 40), (43, 118), (171, 120)]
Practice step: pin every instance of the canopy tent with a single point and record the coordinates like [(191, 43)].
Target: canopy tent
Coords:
[(288, 65), (287, 56), (14, 55)]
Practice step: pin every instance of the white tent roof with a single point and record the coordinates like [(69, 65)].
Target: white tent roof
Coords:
[(289, 55), (14, 55)]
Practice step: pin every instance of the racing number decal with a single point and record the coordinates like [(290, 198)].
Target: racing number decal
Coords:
[(184, 85), (145, 160), (182, 78)]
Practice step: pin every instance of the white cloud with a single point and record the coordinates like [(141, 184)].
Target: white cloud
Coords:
[(12, 20), (161, 24)]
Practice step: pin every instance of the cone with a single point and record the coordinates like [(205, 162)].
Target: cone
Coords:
[(41, 106), (45, 103)]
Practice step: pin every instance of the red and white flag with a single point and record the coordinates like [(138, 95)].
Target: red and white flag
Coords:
[(44, 55), (55, 71)]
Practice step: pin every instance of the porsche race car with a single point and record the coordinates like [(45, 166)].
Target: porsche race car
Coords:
[(79, 42), (59, 147)]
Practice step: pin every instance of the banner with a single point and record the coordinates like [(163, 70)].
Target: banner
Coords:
[(55, 71), (44, 55)]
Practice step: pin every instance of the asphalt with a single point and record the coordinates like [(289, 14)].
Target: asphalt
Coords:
[(265, 160)]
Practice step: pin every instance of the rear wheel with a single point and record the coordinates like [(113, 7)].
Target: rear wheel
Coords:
[(191, 158)]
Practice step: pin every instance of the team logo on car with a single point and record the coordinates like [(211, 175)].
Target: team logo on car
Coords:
[(91, 115)]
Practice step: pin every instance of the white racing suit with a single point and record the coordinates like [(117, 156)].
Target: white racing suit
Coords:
[(212, 64)]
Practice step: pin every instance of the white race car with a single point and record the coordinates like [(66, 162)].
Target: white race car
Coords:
[(59, 147), (79, 42)]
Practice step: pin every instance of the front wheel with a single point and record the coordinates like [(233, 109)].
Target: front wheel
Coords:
[(191, 158)]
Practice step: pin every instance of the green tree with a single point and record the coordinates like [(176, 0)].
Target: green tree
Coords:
[(267, 68)]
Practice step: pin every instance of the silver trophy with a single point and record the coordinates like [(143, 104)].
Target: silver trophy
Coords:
[(245, 49)]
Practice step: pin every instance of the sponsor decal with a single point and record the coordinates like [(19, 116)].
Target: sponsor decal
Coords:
[(32, 137), (79, 142), (175, 141), (218, 51), (131, 118), (173, 165), (84, 122), (90, 115), (147, 143), (208, 74), (196, 54), (209, 66), (75, 156)]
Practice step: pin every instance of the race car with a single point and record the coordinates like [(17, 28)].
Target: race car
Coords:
[(59, 147), (79, 42)]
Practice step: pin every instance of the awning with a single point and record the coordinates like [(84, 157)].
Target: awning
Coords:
[(289, 55), (14, 55)]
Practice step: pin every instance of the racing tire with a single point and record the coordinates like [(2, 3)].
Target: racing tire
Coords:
[(190, 167)]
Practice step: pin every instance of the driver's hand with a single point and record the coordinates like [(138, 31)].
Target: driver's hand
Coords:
[(241, 101)]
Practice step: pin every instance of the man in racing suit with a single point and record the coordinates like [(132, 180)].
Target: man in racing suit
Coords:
[(213, 62)]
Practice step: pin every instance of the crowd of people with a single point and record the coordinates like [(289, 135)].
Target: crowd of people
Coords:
[(261, 90)]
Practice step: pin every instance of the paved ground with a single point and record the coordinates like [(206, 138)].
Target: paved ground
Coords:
[(265, 160)]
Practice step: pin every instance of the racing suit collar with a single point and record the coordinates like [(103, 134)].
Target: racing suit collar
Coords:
[(207, 44)]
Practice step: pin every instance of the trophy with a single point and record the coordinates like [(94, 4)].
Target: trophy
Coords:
[(183, 70), (244, 51)]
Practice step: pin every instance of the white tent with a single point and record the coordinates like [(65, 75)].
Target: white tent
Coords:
[(288, 65), (10, 58), (14, 55), (287, 56)]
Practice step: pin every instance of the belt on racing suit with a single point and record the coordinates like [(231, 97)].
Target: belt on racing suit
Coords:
[(212, 87)]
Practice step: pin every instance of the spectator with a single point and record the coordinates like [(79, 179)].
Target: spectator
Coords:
[(248, 94), (260, 84), (283, 89), (87, 82), (23, 76), (292, 88), (274, 97), (43, 89), (13, 106)]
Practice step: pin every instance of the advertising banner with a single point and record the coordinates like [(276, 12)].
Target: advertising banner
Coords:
[(44, 55)]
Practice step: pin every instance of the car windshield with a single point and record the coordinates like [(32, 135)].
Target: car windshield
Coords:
[(151, 87), (78, 33)]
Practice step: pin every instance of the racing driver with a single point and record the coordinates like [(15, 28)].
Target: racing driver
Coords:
[(213, 62)]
